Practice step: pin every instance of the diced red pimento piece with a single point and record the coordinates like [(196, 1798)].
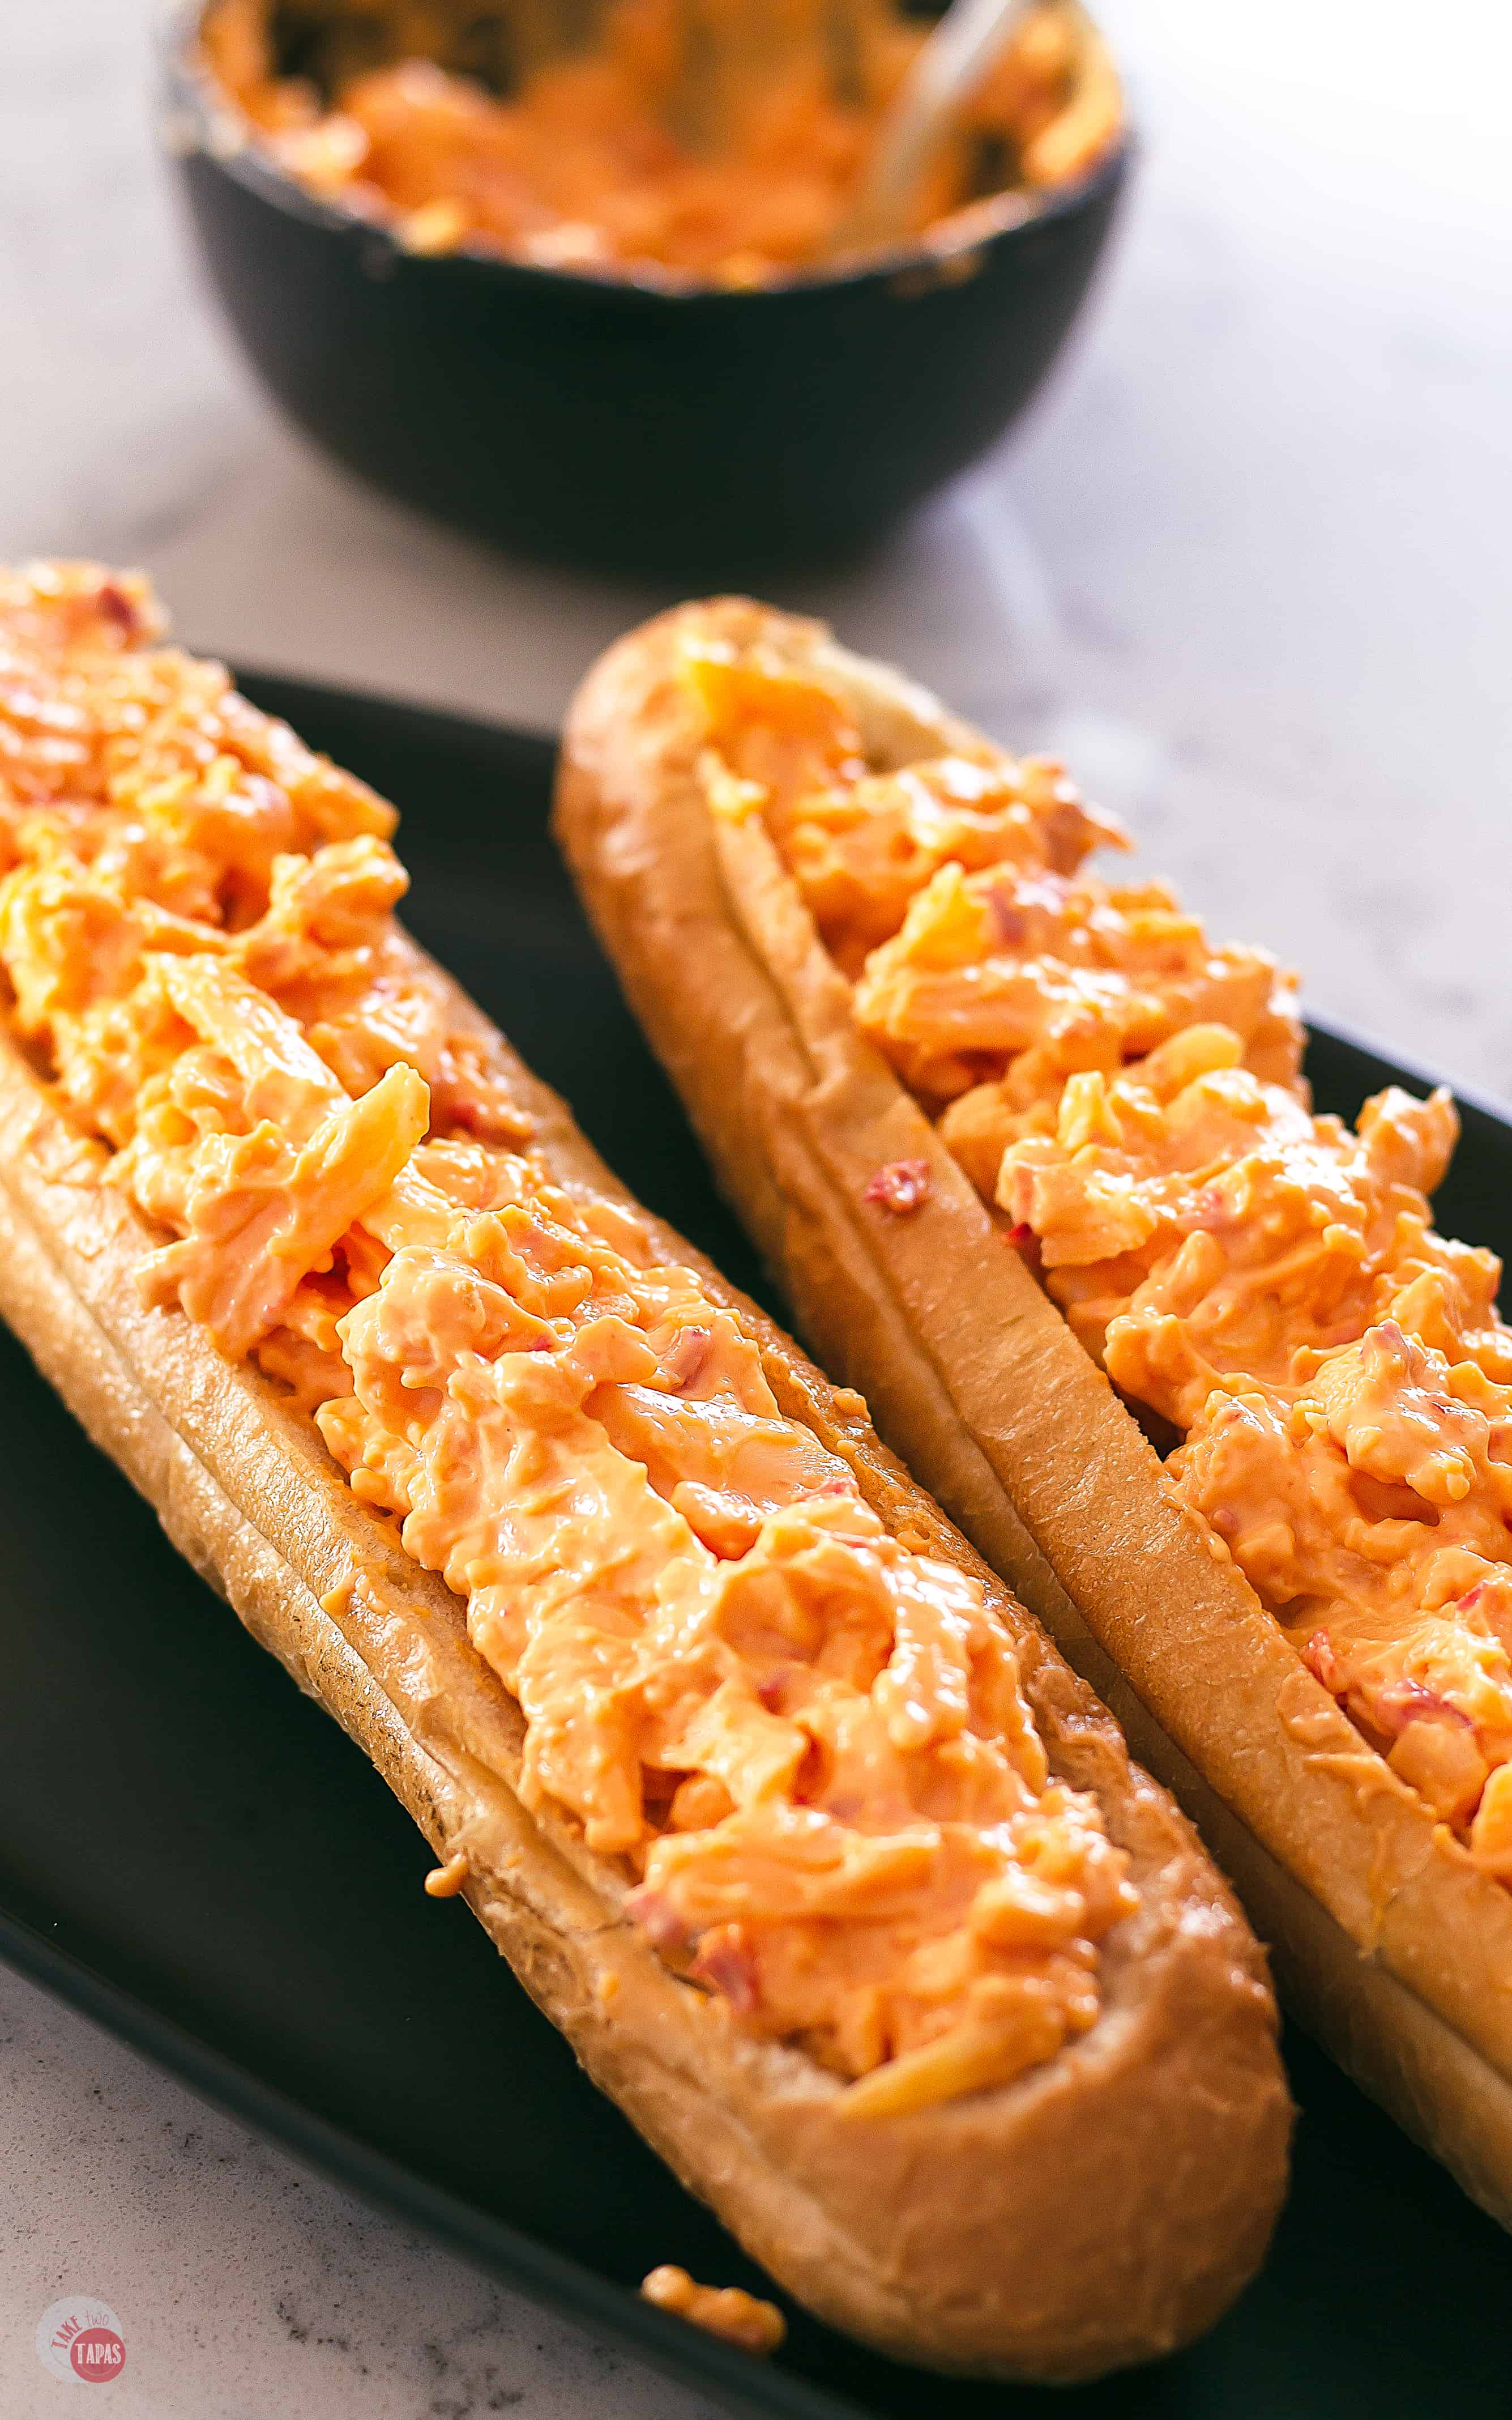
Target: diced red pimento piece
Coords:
[(685, 1357), (724, 1962), (1411, 1702), (656, 1918), (1065, 833), (900, 1187), (115, 606), (1322, 1662)]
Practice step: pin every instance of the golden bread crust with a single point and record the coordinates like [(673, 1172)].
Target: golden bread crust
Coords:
[(977, 1381), (1102, 2209)]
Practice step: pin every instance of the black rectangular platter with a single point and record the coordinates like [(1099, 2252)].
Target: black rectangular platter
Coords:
[(195, 1856)]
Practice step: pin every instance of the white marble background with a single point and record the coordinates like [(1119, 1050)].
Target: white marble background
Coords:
[(1248, 566)]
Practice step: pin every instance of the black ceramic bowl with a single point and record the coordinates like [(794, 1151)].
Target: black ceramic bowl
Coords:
[(695, 433)]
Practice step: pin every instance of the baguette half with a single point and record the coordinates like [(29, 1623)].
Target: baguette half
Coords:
[(1102, 2209), (1393, 1946)]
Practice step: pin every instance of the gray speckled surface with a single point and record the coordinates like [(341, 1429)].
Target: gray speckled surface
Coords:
[(246, 2288), (1248, 566)]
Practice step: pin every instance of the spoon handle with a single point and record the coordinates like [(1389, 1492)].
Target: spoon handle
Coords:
[(955, 57)]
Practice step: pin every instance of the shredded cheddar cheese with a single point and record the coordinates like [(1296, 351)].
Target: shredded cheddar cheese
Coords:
[(584, 158), (1262, 1284), (726, 2311), (805, 1740), (445, 1881)]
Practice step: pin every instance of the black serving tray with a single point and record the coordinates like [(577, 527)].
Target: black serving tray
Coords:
[(194, 1855)]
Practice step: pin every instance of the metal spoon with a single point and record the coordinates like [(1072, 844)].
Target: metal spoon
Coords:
[(952, 62)]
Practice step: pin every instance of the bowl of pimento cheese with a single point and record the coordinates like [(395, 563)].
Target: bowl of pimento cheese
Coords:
[(496, 271)]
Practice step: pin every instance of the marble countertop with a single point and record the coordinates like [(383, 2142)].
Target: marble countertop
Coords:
[(1247, 567)]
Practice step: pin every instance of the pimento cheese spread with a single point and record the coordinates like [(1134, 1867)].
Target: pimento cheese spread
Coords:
[(484, 133), (728, 2311), (1260, 1284), (806, 1744)]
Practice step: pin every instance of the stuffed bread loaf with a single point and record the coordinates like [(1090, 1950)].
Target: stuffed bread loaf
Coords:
[(946, 1077), (833, 1873)]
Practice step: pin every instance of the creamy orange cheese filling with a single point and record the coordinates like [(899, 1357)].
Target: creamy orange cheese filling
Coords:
[(1265, 1282), (716, 141), (726, 2311), (807, 1743)]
